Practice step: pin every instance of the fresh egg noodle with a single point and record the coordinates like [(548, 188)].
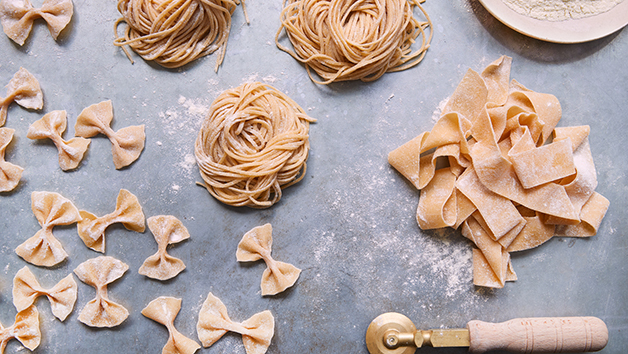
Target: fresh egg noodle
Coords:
[(253, 143), (349, 40), (175, 32)]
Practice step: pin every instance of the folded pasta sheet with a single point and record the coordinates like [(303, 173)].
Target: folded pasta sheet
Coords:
[(214, 322), (62, 296), (512, 179), (164, 310), (25, 329), (128, 212), (51, 209), (10, 174), (167, 230), (257, 244), (99, 272)]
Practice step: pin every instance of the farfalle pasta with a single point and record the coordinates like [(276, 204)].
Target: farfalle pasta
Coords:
[(51, 209), (214, 322), (10, 174), (25, 329), (167, 230), (164, 310), (24, 90), (99, 272), (17, 17), (508, 185), (51, 126), (128, 212), (257, 244), (62, 296), (126, 144)]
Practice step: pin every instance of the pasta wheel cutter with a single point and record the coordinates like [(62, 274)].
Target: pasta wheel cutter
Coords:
[(394, 333)]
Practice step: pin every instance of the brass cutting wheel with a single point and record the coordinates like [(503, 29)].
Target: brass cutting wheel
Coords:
[(382, 335)]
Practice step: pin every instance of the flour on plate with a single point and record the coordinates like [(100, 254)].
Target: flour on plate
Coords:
[(560, 10)]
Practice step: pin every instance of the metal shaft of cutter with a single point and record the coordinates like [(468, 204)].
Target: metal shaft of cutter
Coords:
[(436, 338)]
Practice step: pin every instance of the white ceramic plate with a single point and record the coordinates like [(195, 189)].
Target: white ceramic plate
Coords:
[(568, 31)]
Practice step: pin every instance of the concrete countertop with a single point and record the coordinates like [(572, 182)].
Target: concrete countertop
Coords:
[(349, 224)]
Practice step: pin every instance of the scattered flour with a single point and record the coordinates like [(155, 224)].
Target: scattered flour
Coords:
[(561, 10), (268, 79), (185, 119), (439, 110), (389, 259)]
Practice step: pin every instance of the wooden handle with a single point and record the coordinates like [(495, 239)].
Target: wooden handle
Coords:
[(539, 335)]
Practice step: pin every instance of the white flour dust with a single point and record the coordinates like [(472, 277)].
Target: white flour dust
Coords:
[(560, 10), (388, 258), (438, 112), (268, 79), (181, 124)]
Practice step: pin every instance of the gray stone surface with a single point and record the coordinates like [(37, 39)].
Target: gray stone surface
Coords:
[(350, 224)]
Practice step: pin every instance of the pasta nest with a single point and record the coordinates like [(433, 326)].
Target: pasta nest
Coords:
[(348, 40), (175, 32), (253, 143)]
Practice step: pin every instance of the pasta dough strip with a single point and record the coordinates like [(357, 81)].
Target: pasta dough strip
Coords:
[(514, 190)]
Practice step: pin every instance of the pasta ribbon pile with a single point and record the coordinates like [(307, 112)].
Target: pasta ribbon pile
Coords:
[(175, 32), (349, 40), (253, 143), (511, 179)]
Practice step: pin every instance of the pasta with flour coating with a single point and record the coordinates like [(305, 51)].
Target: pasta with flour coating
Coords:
[(508, 186), (17, 17), (51, 126), (51, 209), (126, 144), (128, 212), (172, 32), (10, 174), (25, 329), (167, 230), (354, 40), (257, 244), (98, 272), (62, 296), (253, 143), (164, 310), (214, 322), (24, 90)]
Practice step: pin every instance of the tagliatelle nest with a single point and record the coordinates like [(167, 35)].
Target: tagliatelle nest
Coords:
[(175, 32), (253, 143), (349, 40)]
